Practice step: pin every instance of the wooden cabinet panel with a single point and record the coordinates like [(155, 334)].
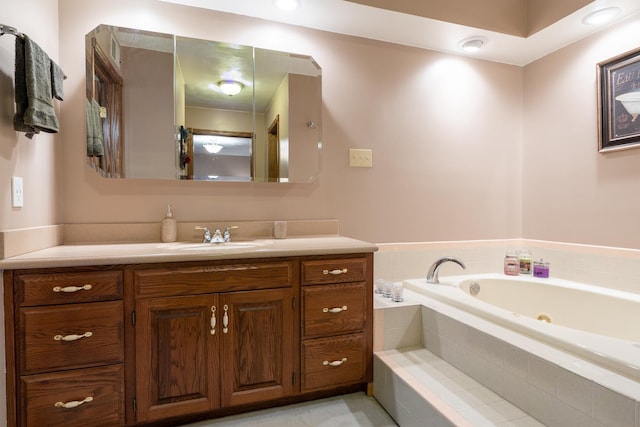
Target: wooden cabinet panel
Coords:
[(333, 309), (203, 279), (258, 348), (65, 288), (100, 389), (334, 271), (335, 361), (177, 356), (70, 336)]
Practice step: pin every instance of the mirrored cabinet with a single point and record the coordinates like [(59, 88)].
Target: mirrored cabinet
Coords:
[(163, 106)]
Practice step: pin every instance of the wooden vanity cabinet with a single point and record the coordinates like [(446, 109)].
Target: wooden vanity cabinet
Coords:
[(166, 342), (337, 322), (65, 347), (214, 336)]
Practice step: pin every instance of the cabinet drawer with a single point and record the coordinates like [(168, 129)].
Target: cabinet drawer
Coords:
[(202, 279), (333, 309), (100, 389), (62, 288), (48, 340), (332, 362), (334, 271)]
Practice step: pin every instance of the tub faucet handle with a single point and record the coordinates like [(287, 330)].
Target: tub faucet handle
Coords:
[(432, 275)]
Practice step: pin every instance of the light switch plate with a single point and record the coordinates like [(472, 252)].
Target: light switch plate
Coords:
[(360, 158), (17, 192)]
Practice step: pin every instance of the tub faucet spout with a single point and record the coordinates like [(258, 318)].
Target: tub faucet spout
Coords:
[(432, 275)]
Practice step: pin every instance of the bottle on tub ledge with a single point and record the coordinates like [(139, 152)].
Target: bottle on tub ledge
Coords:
[(524, 259), (511, 263)]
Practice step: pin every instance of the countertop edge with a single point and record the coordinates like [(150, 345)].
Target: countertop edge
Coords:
[(95, 255)]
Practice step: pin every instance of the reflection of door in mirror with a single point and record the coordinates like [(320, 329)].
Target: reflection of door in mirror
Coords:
[(104, 113), (273, 150), (219, 155)]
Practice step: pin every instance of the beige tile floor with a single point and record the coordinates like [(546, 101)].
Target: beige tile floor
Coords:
[(350, 410)]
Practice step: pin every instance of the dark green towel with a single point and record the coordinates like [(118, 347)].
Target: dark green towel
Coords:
[(57, 78), (33, 77)]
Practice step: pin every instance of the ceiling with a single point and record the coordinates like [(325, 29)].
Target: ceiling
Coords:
[(518, 31)]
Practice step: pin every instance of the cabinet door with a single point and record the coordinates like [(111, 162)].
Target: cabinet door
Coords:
[(176, 356), (257, 349)]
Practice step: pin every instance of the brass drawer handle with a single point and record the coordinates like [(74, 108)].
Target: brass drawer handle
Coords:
[(72, 337), (73, 403), (334, 309), (69, 289), (335, 362), (335, 272)]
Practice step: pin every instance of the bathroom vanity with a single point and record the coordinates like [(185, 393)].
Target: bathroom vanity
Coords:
[(179, 333)]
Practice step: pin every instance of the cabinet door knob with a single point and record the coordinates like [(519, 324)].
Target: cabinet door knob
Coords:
[(72, 337), (74, 403), (225, 319), (335, 272), (334, 309), (70, 289), (335, 362), (213, 320)]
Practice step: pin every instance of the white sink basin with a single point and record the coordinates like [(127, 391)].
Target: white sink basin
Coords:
[(214, 247)]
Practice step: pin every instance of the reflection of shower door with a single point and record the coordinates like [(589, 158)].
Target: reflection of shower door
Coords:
[(273, 150)]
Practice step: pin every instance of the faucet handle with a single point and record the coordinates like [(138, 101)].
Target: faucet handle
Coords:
[(206, 236), (227, 232)]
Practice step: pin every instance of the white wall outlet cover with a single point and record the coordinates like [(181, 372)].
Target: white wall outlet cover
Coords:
[(17, 192)]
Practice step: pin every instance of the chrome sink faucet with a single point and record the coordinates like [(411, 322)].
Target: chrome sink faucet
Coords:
[(217, 236), (432, 275)]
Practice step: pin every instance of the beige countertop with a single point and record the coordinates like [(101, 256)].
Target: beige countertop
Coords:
[(134, 253)]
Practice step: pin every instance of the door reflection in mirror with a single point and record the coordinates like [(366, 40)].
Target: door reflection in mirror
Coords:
[(219, 156)]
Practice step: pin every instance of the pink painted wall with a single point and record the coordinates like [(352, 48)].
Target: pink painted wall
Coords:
[(37, 160), (462, 148), (572, 193), (445, 132)]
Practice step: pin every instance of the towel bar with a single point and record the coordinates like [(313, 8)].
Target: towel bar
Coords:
[(6, 29)]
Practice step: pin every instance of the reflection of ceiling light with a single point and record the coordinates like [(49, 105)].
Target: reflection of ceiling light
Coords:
[(230, 87), (472, 44), (212, 147), (288, 5), (601, 16)]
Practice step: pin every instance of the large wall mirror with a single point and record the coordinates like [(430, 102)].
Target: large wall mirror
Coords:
[(161, 106)]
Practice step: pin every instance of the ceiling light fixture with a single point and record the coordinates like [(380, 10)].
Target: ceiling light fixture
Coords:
[(230, 87), (288, 5), (601, 16), (472, 44), (212, 147)]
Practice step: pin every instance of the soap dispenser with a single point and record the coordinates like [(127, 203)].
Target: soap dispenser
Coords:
[(169, 227)]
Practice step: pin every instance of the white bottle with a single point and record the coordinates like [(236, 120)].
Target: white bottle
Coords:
[(169, 227)]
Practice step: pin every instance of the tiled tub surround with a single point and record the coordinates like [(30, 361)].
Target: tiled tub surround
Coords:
[(556, 388), (608, 267)]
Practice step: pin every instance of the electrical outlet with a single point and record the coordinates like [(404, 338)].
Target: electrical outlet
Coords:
[(360, 158), (17, 192)]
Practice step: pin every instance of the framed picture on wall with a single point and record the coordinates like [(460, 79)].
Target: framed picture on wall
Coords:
[(619, 102)]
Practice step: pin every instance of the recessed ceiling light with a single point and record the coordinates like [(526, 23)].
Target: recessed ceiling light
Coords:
[(472, 44), (601, 16), (288, 5)]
